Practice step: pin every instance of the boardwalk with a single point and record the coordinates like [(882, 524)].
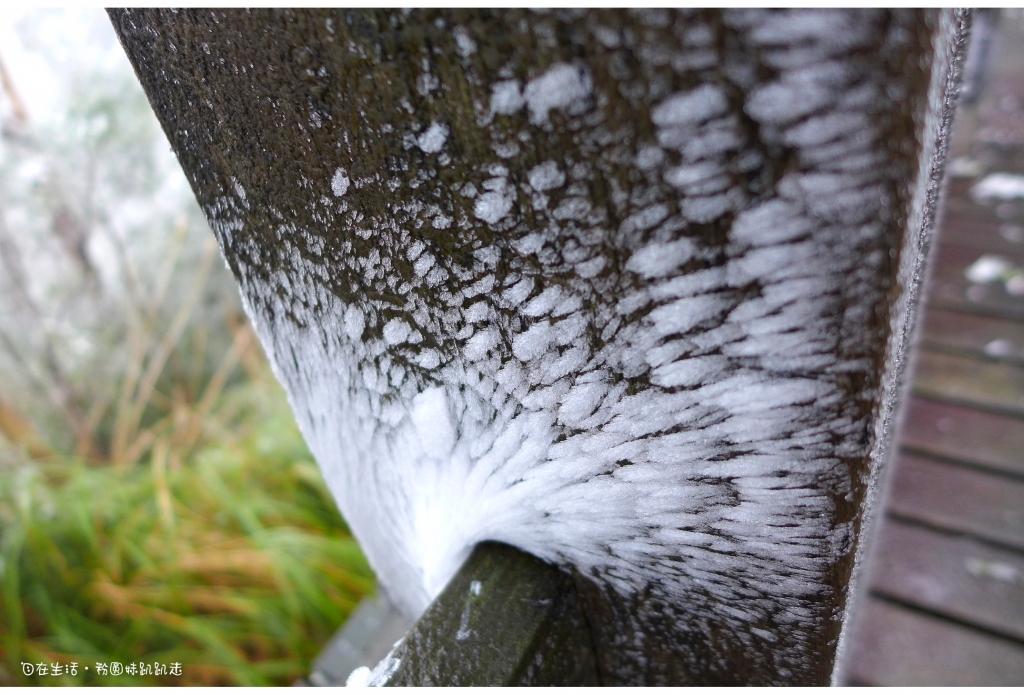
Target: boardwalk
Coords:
[(946, 582)]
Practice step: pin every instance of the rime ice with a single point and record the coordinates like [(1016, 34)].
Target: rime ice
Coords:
[(433, 138), (641, 348), (562, 86), (339, 182), (506, 97)]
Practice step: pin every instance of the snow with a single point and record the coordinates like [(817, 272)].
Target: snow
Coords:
[(354, 323), (562, 86), (423, 264), (987, 268), (999, 348), (546, 176), (781, 103), (359, 678), (773, 222), (991, 569), (340, 182), (660, 260), (433, 423), (965, 168), (533, 342), (690, 108), (685, 176), (823, 129), (572, 208), (506, 97), (433, 138), (1012, 233), (481, 341), (464, 43), (491, 207), (428, 359), (650, 158), (383, 671), (517, 294), (396, 331)]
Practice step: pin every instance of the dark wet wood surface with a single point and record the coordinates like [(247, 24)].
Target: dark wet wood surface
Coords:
[(963, 435), (952, 575), (952, 497), (945, 582)]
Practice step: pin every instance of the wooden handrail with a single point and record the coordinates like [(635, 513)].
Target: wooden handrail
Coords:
[(507, 619), (630, 291)]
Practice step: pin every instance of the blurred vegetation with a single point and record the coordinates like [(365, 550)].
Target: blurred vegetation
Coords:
[(230, 559), (157, 503)]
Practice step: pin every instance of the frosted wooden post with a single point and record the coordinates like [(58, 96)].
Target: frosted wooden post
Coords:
[(628, 291)]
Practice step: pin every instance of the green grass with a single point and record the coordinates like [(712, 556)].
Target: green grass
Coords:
[(225, 554)]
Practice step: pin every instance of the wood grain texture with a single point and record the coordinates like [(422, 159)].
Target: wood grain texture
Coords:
[(901, 647), (970, 382), (983, 337), (947, 564), (947, 496), (950, 290), (952, 576), (989, 236), (953, 431)]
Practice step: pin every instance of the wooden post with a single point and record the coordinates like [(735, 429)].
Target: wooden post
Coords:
[(629, 291)]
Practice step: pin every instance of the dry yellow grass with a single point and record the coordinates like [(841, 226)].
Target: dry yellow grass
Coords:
[(223, 553)]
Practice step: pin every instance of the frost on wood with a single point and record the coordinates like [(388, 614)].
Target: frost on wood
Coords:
[(610, 287)]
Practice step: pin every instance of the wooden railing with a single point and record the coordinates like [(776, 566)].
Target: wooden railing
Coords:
[(383, 184)]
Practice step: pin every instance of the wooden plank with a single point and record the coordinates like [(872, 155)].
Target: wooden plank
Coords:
[(506, 618), (951, 431), (958, 256), (987, 337), (949, 289), (970, 382), (959, 203), (986, 236), (988, 299), (893, 646), (954, 576), (959, 499)]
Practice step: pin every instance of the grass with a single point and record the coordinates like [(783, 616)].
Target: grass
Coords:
[(222, 551), (157, 503)]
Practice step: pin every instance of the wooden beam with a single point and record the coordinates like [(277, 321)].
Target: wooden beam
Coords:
[(444, 223), (506, 618)]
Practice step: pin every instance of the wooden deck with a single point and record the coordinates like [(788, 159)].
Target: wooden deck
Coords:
[(945, 601)]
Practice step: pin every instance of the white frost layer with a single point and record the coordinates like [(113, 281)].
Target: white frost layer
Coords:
[(339, 182), (690, 108), (359, 678), (433, 138), (676, 419), (563, 86), (506, 97), (496, 203)]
